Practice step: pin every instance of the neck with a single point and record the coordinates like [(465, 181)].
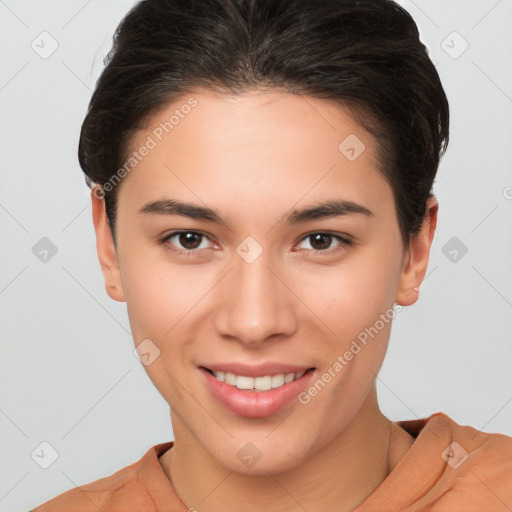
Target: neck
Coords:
[(338, 477)]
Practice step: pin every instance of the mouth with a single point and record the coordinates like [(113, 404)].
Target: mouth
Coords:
[(259, 395), (264, 383)]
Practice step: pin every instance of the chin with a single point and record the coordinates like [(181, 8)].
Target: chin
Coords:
[(260, 457)]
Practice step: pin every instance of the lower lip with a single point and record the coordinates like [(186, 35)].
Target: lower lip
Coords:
[(255, 404)]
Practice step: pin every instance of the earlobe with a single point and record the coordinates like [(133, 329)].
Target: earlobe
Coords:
[(105, 247), (417, 257)]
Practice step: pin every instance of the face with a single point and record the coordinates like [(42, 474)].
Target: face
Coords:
[(258, 287)]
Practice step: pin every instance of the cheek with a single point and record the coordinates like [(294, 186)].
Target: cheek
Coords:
[(159, 294), (357, 303), (160, 297), (352, 296)]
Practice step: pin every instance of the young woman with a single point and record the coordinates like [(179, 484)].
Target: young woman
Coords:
[(261, 176)]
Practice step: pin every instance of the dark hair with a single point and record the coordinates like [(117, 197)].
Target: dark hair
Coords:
[(365, 55)]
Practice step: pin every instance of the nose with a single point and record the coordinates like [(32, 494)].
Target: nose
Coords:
[(256, 303)]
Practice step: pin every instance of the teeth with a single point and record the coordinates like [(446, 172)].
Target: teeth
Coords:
[(263, 383), (257, 383), (277, 380), (244, 382), (289, 377)]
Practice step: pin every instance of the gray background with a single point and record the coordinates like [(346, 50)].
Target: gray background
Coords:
[(67, 369)]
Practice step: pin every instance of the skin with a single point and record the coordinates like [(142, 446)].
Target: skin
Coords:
[(255, 157)]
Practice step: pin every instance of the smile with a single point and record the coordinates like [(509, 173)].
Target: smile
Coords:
[(257, 383), (259, 395)]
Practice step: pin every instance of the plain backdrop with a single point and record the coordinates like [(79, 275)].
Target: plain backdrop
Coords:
[(69, 378)]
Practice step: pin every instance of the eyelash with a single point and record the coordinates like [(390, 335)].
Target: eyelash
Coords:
[(344, 241)]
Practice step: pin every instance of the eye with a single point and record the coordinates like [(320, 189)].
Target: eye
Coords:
[(321, 241), (190, 241)]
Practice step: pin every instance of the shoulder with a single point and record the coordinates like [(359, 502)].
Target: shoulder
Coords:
[(477, 466), (479, 446), (126, 489)]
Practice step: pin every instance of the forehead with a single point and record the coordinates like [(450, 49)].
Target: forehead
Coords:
[(253, 148)]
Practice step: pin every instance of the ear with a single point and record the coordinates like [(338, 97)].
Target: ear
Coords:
[(416, 258), (105, 246)]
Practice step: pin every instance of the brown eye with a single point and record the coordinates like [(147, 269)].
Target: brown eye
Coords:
[(185, 242), (189, 240), (321, 242)]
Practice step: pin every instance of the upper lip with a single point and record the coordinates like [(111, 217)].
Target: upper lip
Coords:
[(256, 370)]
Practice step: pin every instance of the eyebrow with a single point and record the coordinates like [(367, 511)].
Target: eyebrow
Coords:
[(326, 209)]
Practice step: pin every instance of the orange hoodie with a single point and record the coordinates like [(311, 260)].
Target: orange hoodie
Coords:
[(449, 468)]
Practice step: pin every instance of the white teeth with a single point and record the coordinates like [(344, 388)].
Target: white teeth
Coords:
[(257, 383), (244, 382), (277, 380), (263, 383)]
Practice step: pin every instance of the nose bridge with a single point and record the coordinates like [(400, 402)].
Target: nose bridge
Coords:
[(256, 304)]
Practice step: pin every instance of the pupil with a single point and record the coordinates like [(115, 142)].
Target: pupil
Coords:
[(187, 238), (322, 235)]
